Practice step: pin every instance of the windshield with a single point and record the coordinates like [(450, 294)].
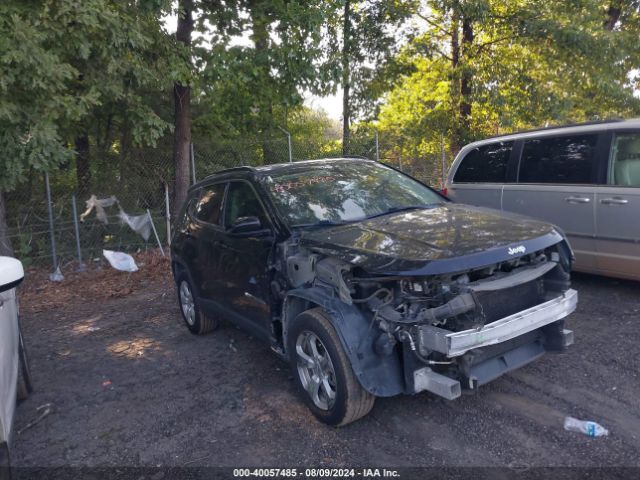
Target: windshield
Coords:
[(343, 192)]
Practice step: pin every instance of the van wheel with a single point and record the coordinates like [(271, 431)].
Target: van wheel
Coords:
[(323, 372), (25, 387), (197, 322)]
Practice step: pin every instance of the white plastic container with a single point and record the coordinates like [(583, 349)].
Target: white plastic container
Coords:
[(591, 429)]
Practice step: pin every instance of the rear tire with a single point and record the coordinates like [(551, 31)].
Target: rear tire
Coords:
[(25, 386), (323, 372), (5, 461), (197, 322)]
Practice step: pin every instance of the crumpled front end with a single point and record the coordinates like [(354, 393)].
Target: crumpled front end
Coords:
[(465, 329), (447, 331)]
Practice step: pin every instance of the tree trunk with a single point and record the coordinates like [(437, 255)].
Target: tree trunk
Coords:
[(456, 140), (455, 41), (126, 143), (465, 78), (260, 39), (83, 163), (613, 15), (182, 110), (346, 79), (6, 249)]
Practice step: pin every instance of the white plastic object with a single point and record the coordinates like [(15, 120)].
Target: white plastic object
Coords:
[(11, 271), (589, 428), (120, 261)]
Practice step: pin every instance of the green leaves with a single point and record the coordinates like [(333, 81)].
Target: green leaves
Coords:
[(63, 63), (526, 63)]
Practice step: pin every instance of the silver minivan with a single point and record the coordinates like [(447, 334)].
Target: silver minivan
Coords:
[(584, 178)]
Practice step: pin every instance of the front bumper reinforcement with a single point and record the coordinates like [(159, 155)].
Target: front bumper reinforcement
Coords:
[(454, 344)]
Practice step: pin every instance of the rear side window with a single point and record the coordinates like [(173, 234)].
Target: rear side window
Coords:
[(562, 160), (624, 169), (486, 164), (209, 205)]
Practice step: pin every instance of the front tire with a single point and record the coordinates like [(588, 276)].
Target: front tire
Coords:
[(323, 373), (197, 322)]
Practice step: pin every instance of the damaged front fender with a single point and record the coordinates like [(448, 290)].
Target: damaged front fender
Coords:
[(379, 375)]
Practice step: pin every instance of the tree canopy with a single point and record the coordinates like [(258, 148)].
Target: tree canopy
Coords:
[(79, 78), (484, 67), (69, 68)]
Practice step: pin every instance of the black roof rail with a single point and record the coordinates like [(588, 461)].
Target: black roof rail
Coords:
[(227, 170), (555, 127)]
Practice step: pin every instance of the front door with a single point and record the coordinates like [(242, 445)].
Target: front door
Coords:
[(244, 261), (618, 210)]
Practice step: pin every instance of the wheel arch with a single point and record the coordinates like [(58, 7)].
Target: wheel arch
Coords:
[(379, 375)]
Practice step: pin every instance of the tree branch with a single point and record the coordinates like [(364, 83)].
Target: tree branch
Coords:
[(433, 24), (492, 42)]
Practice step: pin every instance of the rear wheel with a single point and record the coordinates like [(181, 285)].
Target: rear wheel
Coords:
[(323, 373), (25, 387), (197, 322)]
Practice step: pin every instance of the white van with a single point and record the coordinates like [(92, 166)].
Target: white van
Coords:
[(15, 381)]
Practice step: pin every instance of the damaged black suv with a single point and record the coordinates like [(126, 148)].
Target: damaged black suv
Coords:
[(368, 282)]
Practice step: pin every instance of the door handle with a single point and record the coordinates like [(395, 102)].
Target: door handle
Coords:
[(614, 201), (577, 199)]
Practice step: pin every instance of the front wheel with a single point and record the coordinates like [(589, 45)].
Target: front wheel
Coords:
[(323, 373)]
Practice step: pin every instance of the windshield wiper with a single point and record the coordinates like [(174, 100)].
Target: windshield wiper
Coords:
[(400, 209), (322, 223)]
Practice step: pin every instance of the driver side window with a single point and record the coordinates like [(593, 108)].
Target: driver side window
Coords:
[(243, 202)]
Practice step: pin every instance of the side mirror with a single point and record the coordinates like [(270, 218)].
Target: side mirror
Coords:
[(11, 273), (244, 225)]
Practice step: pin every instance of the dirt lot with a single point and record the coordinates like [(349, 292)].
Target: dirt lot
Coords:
[(129, 385)]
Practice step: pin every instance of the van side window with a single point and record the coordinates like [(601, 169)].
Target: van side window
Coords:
[(624, 169), (562, 160), (209, 206), (485, 164)]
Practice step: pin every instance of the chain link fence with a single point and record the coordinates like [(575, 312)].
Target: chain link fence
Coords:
[(142, 182), (139, 181)]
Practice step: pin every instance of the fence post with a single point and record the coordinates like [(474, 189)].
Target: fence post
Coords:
[(56, 276), (193, 163), (81, 266), (167, 212), (288, 142), (377, 148), (443, 160), (155, 232)]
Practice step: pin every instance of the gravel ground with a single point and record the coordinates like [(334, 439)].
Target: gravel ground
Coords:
[(130, 386)]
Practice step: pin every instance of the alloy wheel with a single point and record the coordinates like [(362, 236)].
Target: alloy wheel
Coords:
[(187, 304), (315, 369)]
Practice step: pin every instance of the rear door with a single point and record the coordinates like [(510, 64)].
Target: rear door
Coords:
[(618, 209), (208, 232), (481, 174), (556, 183)]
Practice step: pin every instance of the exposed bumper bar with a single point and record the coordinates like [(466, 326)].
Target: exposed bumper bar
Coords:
[(454, 344)]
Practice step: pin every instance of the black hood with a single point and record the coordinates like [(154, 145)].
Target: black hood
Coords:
[(447, 238)]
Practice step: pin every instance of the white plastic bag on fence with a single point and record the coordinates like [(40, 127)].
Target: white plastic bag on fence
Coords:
[(99, 204), (141, 224), (120, 261)]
